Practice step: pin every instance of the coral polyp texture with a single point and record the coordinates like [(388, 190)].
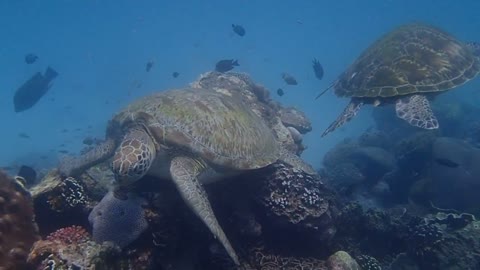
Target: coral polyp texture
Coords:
[(18, 231)]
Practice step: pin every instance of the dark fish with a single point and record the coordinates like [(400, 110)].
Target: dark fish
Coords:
[(175, 74), (33, 90), (149, 66), (289, 79), (30, 58), (447, 162), (238, 29), (226, 65), (280, 92), (24, 135), (63, 151), (318, 69), (28, 173)]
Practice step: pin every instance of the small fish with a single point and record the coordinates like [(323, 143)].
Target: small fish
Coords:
[(149, 66), (289, 79), (24, 135), (238, 29), (33, 90), (447, 162), (63, 151), (175, 74), (280, 92), (317, 69), (28, 173), (226, 65), (30, 58)]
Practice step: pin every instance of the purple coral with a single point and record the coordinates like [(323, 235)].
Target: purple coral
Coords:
[(118, 221)]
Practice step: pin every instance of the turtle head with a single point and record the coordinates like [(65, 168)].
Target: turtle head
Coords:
[(133, 157)]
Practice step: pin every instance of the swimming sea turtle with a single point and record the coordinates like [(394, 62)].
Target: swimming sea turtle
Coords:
[(192, 136), (407, 65)]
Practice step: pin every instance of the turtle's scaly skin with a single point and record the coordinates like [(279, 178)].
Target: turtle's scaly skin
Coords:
[(217, 128), (414, 58)]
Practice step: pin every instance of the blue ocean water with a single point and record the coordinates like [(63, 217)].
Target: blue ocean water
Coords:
[(100, 49)]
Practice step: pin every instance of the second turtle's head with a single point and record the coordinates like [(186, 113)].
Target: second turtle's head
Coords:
[(133, 157)]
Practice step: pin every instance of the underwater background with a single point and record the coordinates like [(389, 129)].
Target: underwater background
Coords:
[(375, 193), (100, 48)]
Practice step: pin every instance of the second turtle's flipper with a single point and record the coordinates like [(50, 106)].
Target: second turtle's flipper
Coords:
[(348, 113), (185, 172), (73, 166), (416, 111)]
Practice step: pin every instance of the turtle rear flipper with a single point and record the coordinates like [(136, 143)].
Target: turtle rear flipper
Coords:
[(416, 111), (348, 113)]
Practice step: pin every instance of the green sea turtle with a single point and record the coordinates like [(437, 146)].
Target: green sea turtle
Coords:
[(405, 66), (191, 136)]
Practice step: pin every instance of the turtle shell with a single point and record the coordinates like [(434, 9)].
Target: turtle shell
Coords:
[(219, 128), (413, 58)]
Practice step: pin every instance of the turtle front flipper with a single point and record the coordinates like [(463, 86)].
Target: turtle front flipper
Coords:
[(416, 111), (72, 166), (348, 113), (185, 173), (134, 156)]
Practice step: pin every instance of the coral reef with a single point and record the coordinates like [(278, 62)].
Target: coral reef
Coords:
[(357, 169), (292, 117), (61, 194), (18, 231), (454, 185), (72, 248), (64, 200), (296, 197), (368, 262), (375, 138), (341, 260)]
